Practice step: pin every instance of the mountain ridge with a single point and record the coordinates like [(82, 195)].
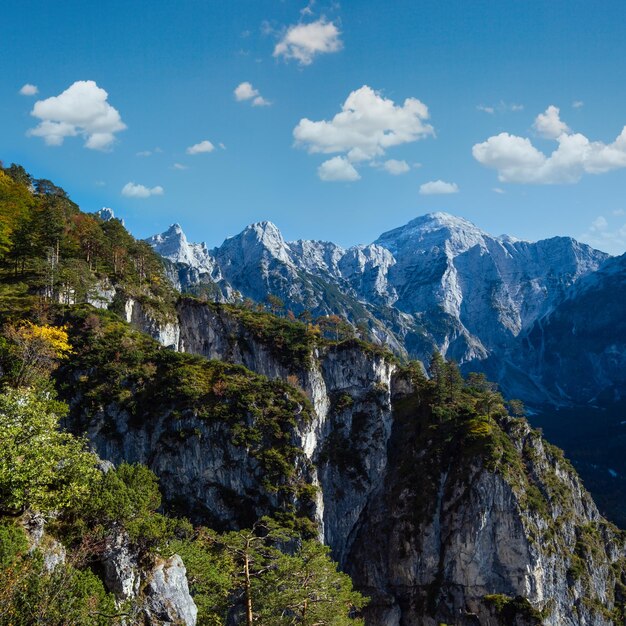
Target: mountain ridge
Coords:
[(437, 282)]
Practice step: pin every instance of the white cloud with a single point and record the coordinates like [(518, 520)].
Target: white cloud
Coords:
[(395, 167), (518, 161), (303, 42), (260, 101), (29, 90), (501, 107), (619, 212), (438, 187), (606, 236), (549, 124), (308, 9), (245, 91), (133, 190), (147, 153), (599, 224), (179, 166), (498, 190), (337, 169), (82, 109), (578, 104), (366, 127), (199, 148)]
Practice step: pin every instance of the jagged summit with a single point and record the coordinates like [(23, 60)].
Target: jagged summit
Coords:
[(269, 236), (106, 214), (174, 229), (265, 232), (259, 229), (264, 225), (174, 246), (256, 241)]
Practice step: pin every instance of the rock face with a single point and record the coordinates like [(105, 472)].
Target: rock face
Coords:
[(576, 352), (350, 393), (430, 528), (438, 281), (173, 245), (493, 286), (121, 568), (167, 599), (161, 591), (190, 264), (451, 534), (53, 552)]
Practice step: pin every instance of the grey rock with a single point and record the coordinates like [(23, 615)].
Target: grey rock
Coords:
[(575, 354), (52, 551), (167, 598), (121, 568), (54, 554), (160, 591), (102, 295)]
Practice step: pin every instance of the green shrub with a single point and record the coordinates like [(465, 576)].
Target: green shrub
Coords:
[(41, 467), (13, 543), (127, 497), (67, 596)]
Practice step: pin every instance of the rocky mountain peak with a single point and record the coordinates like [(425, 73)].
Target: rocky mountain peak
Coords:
[(438, 281), (174, 246), (175, 230), (441, 219), (106, 214), (261, 239), (266, 233), (432, 230)]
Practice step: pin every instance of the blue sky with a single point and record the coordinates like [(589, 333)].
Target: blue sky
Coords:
[(483, 70)]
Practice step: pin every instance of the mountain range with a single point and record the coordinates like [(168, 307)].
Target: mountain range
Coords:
[(437, 283)]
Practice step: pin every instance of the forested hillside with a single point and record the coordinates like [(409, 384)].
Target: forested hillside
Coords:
[(82, 541), (51, 252)]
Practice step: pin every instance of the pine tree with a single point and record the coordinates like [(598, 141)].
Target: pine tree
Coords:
[(306, 589)]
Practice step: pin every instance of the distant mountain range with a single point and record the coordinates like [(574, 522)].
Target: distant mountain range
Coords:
[(495, 303)]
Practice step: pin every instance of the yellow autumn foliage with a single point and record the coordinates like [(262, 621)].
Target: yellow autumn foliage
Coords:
[(55, 337), (35, 350)]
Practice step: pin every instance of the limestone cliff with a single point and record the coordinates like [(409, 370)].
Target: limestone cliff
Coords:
[(456, 516)]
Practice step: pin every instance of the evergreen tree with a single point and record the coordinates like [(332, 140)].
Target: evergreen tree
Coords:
[(276, 304), (306, 589)]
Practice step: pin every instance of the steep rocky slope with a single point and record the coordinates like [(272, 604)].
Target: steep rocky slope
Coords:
[(476, 510), (444, 510), (577, 351)]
